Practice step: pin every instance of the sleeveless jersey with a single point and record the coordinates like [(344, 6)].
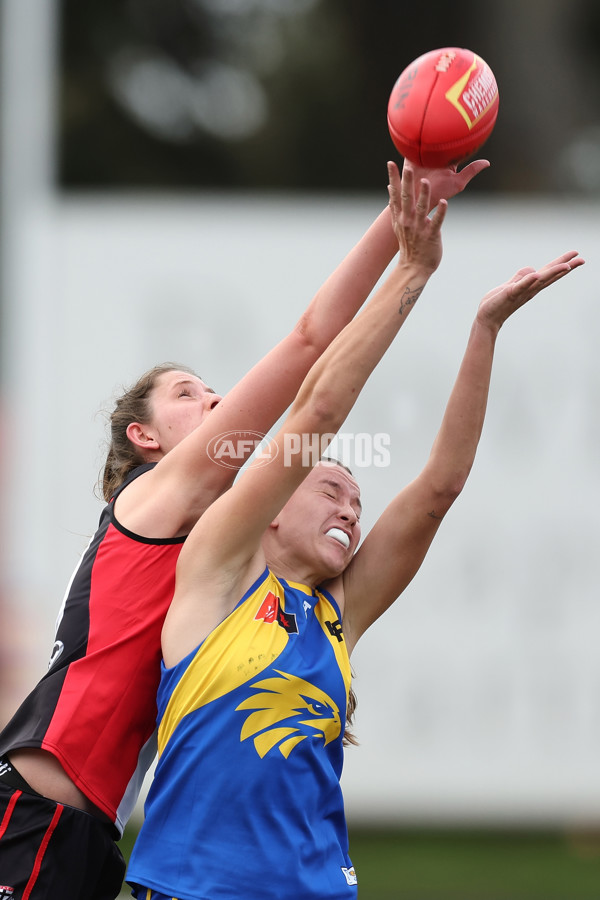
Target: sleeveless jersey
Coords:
[(95, 708), (246, 798)]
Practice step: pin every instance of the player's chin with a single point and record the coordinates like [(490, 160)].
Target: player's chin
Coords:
[(338, 560)]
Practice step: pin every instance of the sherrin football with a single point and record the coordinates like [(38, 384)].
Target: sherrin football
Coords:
[(443, 107)]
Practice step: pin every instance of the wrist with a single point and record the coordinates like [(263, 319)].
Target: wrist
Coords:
[(415, 273), (484, 323), (413, 276)]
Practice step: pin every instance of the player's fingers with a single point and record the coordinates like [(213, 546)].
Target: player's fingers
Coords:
[(567, 257), (439, 214), (522, 273), (407, 189), (552, 274), (519, 287), (535, 282), (472, 169), (424, 197), (394, 184), (565, 264)]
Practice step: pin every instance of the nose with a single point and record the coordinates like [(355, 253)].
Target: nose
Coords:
[(212, 401), (348, 514)]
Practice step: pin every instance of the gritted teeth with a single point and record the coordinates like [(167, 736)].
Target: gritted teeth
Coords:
[(338, 535)]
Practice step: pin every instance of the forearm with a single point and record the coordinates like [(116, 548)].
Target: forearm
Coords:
[(265, 393), (347, 288), (455, 446), (332, 386)]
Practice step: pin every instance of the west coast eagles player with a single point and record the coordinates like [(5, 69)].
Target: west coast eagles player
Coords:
[(271, 597)]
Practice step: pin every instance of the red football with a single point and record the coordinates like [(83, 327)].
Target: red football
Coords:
[(443, 107)]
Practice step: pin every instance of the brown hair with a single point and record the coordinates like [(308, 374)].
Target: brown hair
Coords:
[(134, 405), (349, 737), (337, 462)]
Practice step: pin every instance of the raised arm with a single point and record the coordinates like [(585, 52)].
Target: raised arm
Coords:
[(168, 500), (347, 288), (395, 548), (344, 292), (222, 555)]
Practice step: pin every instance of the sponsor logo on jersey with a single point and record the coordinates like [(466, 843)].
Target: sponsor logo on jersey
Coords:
[(350, 875), (6, 892), (270, 610), (287, 711), (335, 630)]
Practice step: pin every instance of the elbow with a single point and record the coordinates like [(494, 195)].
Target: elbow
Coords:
[(319, 412), (456, 484), (448, 489), (325, 413), (312, 339)]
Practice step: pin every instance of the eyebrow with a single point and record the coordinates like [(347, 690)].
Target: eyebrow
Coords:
[(336, 484), (189, 381)]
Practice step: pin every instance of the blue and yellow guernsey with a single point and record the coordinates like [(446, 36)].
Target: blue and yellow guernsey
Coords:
[(246, 799)]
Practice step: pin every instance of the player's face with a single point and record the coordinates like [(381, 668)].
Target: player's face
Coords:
[(180, 402), (322, 520)]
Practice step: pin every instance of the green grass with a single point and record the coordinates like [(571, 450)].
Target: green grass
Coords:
[(475, 865), (469, 865)]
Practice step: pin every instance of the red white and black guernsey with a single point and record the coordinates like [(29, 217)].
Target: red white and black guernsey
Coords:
[(95, 708)]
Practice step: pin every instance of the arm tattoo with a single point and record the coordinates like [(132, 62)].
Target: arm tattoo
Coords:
[(409, 298), (433, 515)]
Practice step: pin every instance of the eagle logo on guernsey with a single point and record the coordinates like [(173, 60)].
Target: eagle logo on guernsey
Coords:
[(287, 711)]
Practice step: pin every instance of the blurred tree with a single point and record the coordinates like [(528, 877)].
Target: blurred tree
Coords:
[(292, 94)]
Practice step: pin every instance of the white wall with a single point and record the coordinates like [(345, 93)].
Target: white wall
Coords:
[(479, 692)]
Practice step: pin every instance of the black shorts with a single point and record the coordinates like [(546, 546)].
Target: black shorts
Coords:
[(49, 851)]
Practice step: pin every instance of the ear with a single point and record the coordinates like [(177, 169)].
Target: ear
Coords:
[(140, 436)]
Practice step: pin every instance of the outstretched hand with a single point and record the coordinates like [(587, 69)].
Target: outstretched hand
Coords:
[(501, 302), (445, 183), (419, 235)]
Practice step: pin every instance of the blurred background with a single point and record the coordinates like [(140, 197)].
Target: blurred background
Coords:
[(177, 180)]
